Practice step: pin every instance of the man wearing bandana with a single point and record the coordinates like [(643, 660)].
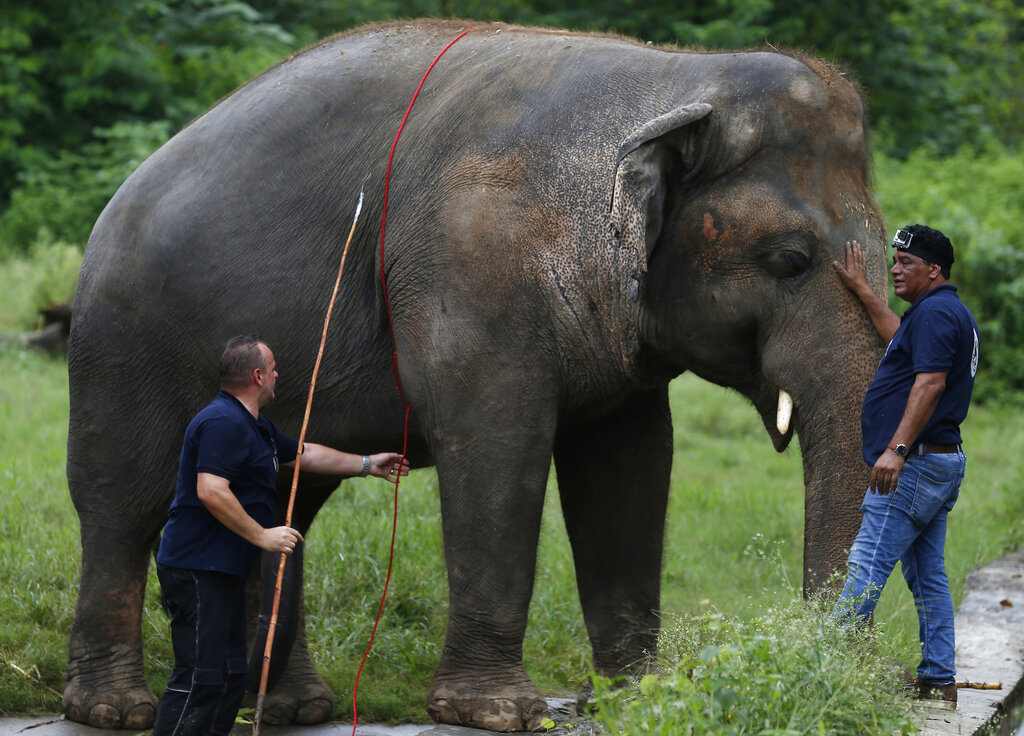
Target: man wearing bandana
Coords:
[(221, 517), (911, 439)]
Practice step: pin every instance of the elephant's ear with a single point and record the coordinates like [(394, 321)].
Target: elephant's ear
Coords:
[(646, 158)]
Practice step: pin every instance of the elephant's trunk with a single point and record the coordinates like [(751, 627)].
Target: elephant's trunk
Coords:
[(835, 478), (827, 382), (827, 422)]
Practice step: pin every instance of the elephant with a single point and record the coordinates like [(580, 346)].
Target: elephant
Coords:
[(572, 220)]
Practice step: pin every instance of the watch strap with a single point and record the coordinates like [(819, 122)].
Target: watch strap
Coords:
[(896, 449)]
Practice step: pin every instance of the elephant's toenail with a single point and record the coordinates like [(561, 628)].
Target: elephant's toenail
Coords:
[(140, 716), (104, 715), (315, 711)]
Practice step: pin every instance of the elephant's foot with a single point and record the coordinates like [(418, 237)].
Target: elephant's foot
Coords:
[(494, 701), (300, 697), (116, 697)]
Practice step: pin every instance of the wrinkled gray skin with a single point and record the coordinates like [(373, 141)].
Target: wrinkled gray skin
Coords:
[(572, 221)]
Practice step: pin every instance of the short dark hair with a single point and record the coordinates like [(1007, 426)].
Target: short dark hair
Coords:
[(931, 246), (242, 355)]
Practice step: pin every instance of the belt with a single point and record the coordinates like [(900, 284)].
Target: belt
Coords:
[(928, 448)]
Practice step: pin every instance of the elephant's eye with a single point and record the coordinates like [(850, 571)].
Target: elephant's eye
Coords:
[(787, 256), (786, 263)]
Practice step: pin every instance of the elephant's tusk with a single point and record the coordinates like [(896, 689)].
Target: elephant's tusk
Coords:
[(784, 412)]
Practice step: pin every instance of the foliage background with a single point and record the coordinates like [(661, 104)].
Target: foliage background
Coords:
[(90, 88)]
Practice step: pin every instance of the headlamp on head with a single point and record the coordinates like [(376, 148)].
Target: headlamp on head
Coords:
[(926, 243), (901, 240)]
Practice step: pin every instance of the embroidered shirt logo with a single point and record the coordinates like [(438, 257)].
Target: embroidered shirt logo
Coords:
[(974, 356)]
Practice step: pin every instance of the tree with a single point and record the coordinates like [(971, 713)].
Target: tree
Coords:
[(937, 74), (89, 83)]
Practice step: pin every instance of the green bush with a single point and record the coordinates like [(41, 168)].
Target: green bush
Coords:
[(90, 89), (788, 671), (63, 194), (47, 274), (59, 263), (975, 197)]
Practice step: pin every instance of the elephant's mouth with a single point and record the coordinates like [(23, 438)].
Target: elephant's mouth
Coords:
[(779, 418)]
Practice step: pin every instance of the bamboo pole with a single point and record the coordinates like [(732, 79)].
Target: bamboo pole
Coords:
[(264, 675)]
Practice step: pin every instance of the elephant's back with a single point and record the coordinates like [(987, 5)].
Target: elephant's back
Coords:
[(279, 162), (256, 196)]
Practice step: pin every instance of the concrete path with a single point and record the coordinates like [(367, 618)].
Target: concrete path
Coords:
[(50, 727), (562, 710), (990, 648)]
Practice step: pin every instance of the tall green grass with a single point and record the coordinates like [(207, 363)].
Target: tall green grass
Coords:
[(734, 546), (785, 672), (38, 532)]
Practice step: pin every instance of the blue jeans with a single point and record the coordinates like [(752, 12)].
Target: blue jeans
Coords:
[(909, 525), (208, 635)]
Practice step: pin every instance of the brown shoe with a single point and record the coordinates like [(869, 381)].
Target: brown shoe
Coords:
[(937, 696), (908, 679)]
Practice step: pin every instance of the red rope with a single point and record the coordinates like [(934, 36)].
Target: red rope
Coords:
[(394, 368)]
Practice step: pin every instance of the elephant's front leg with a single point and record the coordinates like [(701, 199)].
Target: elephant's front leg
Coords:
[(492, 465), (296, 692), (613, 478)]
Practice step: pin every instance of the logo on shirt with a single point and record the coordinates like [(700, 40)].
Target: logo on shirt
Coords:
[(974, 355)]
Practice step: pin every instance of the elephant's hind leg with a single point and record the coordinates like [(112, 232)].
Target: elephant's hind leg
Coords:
[(105, 685), (122, 459), (300, 696)]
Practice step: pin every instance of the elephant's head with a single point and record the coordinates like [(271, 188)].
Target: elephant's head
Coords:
[(737, 204)]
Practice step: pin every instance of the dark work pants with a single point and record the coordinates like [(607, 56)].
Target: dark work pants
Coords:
[(208, 634)]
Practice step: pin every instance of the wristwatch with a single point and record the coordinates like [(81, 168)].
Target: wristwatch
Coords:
[(901, 449)]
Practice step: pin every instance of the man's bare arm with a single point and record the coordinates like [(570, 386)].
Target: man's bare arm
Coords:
[(327, 460), (215, 494), (924, 397)]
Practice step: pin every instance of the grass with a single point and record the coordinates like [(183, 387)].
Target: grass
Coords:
[(734, 546), (788, 670), (38, 532)]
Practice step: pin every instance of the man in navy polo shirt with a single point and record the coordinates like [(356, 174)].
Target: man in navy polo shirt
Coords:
[(911, 438), (224, 506)]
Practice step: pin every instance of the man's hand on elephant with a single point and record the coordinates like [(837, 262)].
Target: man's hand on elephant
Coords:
[(854, 276), (854, 272), (389, 465), (280, 539), (885, 474)]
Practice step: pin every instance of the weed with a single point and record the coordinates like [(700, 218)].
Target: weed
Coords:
[(789, 670)]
